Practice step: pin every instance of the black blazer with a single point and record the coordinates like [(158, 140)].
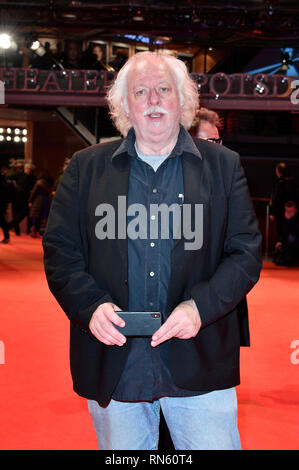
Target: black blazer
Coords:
[(83, 271)]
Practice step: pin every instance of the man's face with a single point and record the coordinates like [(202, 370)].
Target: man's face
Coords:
[(72, 51), (98, 52), (153, 103), (278, 174), (206, 130), (290, 212)]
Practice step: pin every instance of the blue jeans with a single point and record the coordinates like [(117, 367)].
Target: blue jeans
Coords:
[(204, 422)]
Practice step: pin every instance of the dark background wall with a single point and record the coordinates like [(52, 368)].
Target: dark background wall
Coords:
[(50, 139)]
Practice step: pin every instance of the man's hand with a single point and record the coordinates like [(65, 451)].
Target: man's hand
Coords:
[(184, 323), (101, 325)]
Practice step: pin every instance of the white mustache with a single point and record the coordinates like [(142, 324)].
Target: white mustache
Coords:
[(155, 109)]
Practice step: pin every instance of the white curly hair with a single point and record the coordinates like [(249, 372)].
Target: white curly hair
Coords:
[(187, 89)]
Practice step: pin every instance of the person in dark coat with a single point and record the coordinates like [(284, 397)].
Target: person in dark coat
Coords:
[(17, 201), (39, 203), (98, 62), (285, 189), (6, 192), (287, 247), (24, 181), (119, 60), (71, 58), (100, 261)]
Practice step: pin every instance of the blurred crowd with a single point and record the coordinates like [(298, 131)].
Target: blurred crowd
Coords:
[(27, 195), (67, 55)]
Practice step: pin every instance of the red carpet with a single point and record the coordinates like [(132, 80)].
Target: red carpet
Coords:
[(38, 408)]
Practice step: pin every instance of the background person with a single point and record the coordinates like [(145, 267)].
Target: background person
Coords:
[(285, 189), (71, 58), (15, 175), (24, 181), (6, 190), (121, 57), (98, 62), (64, 167), (39, 203), (287, 246), (206, 126)]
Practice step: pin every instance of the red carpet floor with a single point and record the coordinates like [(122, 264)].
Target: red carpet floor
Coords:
[(38, 408)]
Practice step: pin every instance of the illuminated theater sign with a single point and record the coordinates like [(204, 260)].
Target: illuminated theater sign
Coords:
[(55, 87), (88, 88)]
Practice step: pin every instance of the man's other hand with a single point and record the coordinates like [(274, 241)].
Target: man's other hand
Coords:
[(184, 323), (101, 325)]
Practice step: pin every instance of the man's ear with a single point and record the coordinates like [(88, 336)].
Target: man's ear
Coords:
[(124, 104), (181, 96)]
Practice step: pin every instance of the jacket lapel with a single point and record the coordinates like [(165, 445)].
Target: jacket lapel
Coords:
[(118, 195), (192, 167)]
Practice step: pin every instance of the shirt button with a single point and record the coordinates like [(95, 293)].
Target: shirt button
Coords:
[(152, 244), (152, 273), (154, 190), (151, 304), (153, 217)]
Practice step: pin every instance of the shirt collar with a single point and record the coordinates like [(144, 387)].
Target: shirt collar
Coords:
[(184, 143)]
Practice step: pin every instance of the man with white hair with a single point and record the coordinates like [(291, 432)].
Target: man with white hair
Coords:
[(190, 366)]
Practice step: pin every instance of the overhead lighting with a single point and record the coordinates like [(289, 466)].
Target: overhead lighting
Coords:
[(259, 88), (40, 51), (161, 39), (284, 65), (15, 134), (35, 45), (5, 41), (138, 17), (285, 60), (269, 9), (31, 41), (137, 38), (69, 16), (13, 45)]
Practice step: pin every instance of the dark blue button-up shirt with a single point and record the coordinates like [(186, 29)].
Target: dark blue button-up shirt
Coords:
[(146, 375)]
